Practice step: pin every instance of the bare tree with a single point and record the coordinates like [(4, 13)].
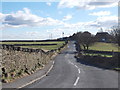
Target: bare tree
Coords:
[(84, 39), (115, 32), (76, 38)]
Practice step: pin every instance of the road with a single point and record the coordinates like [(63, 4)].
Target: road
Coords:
[(68, 73)]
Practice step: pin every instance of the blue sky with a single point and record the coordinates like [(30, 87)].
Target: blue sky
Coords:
[(38, 20)]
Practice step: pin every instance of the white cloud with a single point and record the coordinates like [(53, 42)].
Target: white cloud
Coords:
[(108, 21), (32, 33), (67, 17), (57, 32), (26, 18), (27, 11), (48, 3), (70, 3), (2, 17), (104, 22), (101, 13), (87, 4)]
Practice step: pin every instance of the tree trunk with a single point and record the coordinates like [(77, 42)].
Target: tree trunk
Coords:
[(87, 47), (84, 47)]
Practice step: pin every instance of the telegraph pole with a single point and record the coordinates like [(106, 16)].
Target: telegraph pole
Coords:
[(62, 34), (51, 35)]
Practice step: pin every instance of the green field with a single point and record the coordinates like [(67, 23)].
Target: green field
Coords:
[(100, 46), (50, 47), (102, 55)]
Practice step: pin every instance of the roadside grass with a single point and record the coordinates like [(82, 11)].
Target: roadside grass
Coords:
[(102, 55), (117, 69), (49, 47), (101, 46)]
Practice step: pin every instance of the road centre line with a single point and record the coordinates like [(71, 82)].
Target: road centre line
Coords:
[(76, 66), (76, 81), (71, 62), (78, 70)]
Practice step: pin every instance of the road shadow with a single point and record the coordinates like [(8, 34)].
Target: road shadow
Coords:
[(98, 61)]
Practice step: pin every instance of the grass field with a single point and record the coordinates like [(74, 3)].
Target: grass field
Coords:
[(100, 46), (102, 55), (51, 47)]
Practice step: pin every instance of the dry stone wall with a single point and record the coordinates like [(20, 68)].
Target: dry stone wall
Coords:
[(17, 61)]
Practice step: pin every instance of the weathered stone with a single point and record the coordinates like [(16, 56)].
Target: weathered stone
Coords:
[(16, 60)]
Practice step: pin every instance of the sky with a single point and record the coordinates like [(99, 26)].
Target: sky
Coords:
[(48, 20)]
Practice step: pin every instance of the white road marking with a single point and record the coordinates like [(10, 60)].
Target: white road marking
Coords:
[(71, 62), (32, 81), (76, 66), (76, 81), (49, 69), (37, 78), (53, 62), (78, 70)]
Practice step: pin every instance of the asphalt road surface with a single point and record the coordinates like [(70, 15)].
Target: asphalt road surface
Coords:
[(68, 73)]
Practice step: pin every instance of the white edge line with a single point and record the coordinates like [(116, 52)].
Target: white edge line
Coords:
[(53, 62), (49, 69), (76, 81), (37, 78), (32, 81)]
